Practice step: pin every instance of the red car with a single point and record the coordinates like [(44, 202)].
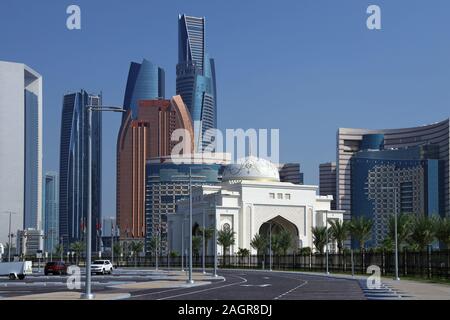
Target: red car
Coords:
[(55, 268)]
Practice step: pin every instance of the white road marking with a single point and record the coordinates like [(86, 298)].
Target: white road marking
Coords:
[(204, 290), (164, 291), (293, 289)]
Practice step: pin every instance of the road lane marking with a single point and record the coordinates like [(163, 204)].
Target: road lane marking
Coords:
[(204, 290), (292, 290), (256, 285), (164, 291)]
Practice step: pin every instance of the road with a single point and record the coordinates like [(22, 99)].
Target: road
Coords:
[(260, 285), (235, 285)]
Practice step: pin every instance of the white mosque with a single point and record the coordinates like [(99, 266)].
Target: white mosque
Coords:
[(249, 200)]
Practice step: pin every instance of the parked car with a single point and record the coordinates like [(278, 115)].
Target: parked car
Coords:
[(57, 267), (102, 267)]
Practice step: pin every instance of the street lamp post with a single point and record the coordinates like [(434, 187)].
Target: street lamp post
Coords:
[(9, 234), (168, 246), (61, 249), (113, 234), (395, 189), (182, 246), (203, 244), (215, 244), (397, 278), (326, 230), (190, 280), (91, 108), (157, 247), (270, 246)]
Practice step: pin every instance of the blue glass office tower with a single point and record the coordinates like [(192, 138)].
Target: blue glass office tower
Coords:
[(50, 216), (73, 167), (146, 81), (196, 77), (166, 184), (385, 181)]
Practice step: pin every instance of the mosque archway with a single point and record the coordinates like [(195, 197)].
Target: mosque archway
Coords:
[(279, 224)]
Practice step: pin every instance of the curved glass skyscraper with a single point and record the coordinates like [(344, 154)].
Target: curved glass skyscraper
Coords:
[(73, 167), (196, 77), (146, 81)]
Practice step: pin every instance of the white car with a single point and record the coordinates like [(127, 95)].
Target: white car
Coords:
[(102, 267)]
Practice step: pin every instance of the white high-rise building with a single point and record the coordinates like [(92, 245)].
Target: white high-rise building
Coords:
[(20, 148)]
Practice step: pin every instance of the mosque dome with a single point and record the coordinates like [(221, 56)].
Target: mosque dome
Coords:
[(251, 168)]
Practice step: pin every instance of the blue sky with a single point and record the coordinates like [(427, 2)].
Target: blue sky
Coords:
[(306, 67)]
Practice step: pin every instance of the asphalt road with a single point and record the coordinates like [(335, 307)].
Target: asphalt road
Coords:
[(236, 285), (260, 285)]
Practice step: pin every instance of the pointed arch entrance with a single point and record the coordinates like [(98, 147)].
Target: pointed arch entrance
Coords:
[(279, 224)]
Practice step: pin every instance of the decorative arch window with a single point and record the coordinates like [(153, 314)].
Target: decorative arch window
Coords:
[(226, 227)]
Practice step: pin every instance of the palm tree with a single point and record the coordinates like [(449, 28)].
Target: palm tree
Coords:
[(284, 241), (226, 239), (339, 232), (319, 238), (196, 245), (404, 222), (259, 243), (361, 230), (137, 247), (442, 229), (153, 245), (387, 244), (78, 247), (243, 252), (209, 233), (117, 249), (422, 232), (304, 251), (59, 250)]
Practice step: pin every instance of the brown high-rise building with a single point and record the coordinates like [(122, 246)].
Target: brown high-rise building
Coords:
[(147, 136)]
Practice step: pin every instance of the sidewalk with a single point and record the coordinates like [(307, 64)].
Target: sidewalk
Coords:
[(70, 295), (420, 290), (412, 290), (172, 279), (408, 289)]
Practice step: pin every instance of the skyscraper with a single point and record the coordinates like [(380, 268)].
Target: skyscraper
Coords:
[(147, 136), (167, 183), (401, 180), (139, 137), (196, 78), (20, 147), (290, 172), (327, 181), (146, 81), (50, 221), (73, 167), (350, 141)]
